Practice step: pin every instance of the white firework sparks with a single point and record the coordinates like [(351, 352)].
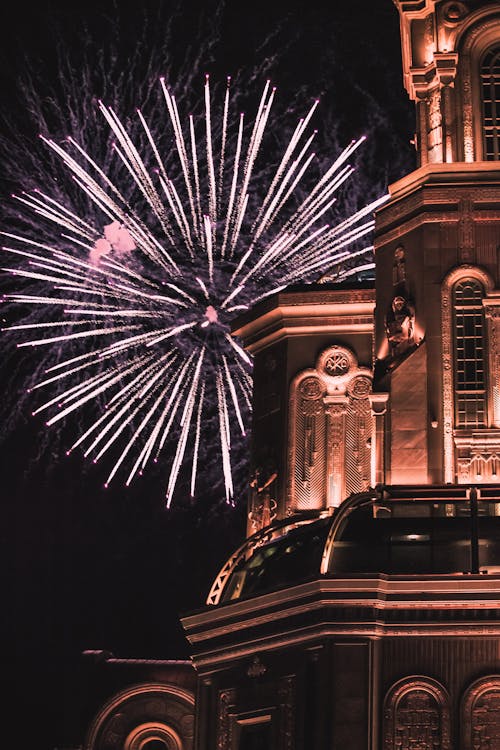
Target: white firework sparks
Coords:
[(150, 293)]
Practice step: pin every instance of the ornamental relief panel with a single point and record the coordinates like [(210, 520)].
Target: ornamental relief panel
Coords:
[(476, 39), (330, 431), (492, 315), (147, 711), (480, 720), (416, 716)]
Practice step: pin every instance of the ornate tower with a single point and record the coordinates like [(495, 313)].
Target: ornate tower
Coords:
[(366, 615), (438, 240), (346, 400), (314, 433), (363, 609)]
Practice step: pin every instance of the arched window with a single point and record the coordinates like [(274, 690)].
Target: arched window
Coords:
[(490, 90), (470, 365), (416, 715)]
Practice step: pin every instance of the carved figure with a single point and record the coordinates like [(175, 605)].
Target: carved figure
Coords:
[(399, 325), (263, 505), (399, 267)]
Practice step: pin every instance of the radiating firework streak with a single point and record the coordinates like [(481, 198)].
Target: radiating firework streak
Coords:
[(152, 307)]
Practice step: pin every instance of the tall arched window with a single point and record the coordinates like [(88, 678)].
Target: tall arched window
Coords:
[(470, 365), (490, 89)]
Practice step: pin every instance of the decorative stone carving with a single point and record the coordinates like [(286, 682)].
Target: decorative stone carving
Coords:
[(480, 720), (256, 668), (422, 132), (330, 431), (263, 505), (310, 388), (399, 322), (467, 112), (478, 455), (399, 267), (477, 38), (337, 364), (336, 361), (492, 314), (460, 272), (417, 716), (435, 136), (360, 387), (145, 710), (466, 232), (335, 409), (448, 99)]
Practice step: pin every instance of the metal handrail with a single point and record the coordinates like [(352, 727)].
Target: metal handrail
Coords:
[(254, 541), (343, 512)]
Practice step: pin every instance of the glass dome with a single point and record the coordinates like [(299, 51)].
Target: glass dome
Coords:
[(445, 530)]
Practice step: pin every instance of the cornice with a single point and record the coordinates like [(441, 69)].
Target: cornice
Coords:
[(373, 607), (307, 314), (439, 193), (457, 174)]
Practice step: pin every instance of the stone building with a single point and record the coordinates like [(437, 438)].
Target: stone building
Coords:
[(363, 609)]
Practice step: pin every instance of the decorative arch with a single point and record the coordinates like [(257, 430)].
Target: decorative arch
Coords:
[(153, 735), (490, 99), (455, 275), (473, 41), (416, 714), (142, 713), (330, 431), (480, 714)]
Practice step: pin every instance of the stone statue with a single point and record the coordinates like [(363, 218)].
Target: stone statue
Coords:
[(399, 325), (263, 506)]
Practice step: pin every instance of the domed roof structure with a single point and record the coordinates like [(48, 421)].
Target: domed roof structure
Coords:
[(401, 531)]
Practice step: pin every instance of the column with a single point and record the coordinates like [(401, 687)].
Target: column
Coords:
[(335, 409)]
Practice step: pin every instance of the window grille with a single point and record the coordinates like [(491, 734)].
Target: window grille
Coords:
[(470, 376), (490, 86)]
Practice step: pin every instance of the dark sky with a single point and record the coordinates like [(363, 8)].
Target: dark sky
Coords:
[(89, 568)]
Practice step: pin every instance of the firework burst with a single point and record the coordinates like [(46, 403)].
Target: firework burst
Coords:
[(145, 298)]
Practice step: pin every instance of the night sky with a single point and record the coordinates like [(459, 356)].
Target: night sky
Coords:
[(88, 568)]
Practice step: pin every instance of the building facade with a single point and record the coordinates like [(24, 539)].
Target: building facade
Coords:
[(363, 610)]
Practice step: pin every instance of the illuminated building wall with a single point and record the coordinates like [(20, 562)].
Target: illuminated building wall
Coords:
[(365, 622), (439, 236), (413, 394), (363, 611)]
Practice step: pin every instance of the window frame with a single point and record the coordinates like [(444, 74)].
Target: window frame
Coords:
[(466, 313), (487, 84), (447, 350)]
